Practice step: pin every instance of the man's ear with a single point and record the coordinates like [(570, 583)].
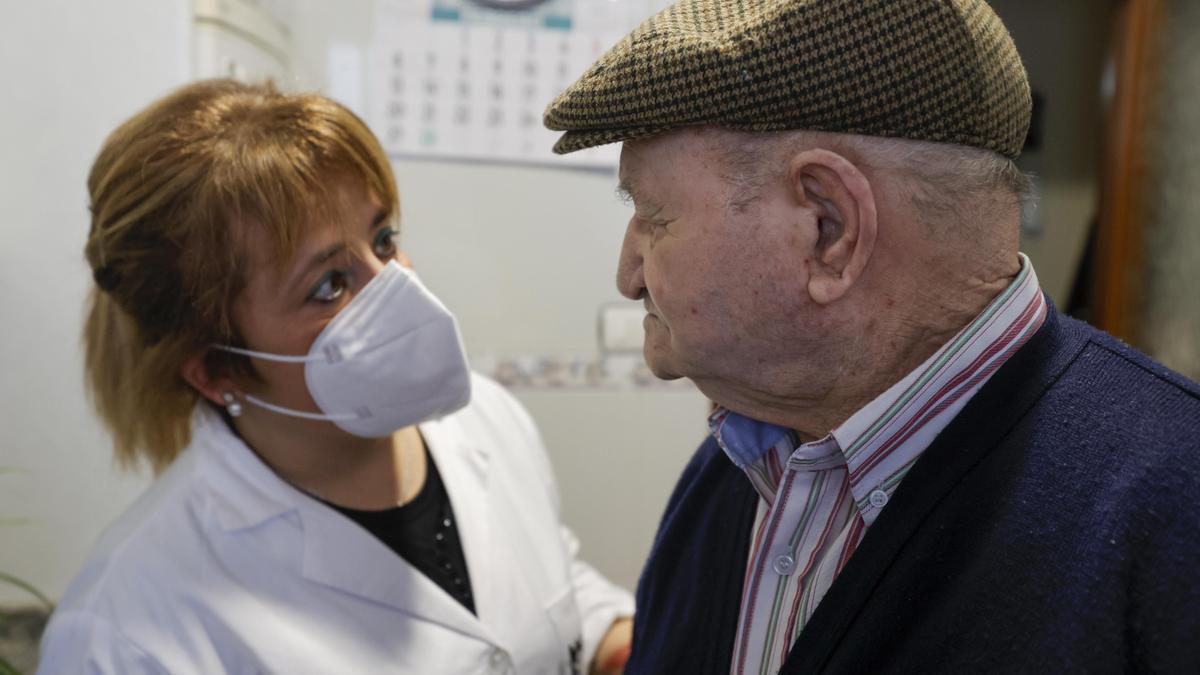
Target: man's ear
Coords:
[(195, 371), (843, 204)]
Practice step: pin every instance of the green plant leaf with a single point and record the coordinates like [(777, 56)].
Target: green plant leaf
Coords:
[(28, 588), (7, 668)]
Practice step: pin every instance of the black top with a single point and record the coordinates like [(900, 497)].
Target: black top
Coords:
[(424, 533)]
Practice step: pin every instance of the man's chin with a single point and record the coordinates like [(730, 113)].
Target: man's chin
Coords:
[(666, 375), (660, 369)]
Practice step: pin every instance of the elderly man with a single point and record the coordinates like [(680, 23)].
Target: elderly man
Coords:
[(916, 463)]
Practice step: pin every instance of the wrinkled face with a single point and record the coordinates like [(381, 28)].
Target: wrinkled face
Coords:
[(283, 313), (723, 287)]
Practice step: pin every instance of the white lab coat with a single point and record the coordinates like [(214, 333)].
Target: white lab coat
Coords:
[(224, 567)]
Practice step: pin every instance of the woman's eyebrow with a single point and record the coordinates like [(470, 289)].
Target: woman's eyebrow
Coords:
[(325, 256), (315, 262)]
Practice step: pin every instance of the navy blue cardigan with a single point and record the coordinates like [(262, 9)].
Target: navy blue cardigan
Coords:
[(1053, 526)]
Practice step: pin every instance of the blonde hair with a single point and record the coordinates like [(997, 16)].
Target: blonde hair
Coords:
[(173, 192)]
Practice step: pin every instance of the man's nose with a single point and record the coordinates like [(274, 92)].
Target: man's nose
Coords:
[(631, 280)]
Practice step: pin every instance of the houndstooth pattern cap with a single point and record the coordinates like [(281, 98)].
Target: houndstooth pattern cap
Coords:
[(934, 70)]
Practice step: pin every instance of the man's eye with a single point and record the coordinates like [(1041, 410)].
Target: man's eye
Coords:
[(330, 287), (384, 245), (656, 224)]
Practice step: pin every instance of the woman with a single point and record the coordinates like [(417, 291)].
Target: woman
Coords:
[(338, 493)]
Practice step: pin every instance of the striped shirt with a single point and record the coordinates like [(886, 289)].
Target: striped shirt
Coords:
[(819, 498)]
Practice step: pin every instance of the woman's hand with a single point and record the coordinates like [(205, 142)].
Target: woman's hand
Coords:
[(613, 651)]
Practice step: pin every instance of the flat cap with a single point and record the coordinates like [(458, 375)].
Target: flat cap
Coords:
[(933, 70)]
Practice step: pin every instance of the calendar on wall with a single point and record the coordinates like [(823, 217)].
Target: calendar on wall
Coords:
[(470, 79)]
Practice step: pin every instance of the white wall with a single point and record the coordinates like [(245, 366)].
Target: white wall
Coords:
[(71, 71), (525, 256)]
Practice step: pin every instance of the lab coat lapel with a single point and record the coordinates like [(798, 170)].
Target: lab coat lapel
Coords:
[(337, 552), (463, 464), (341, 555)]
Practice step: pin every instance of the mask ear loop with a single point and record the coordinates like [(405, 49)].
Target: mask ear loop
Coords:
[(232, 404), (320, 417), (263, 355)]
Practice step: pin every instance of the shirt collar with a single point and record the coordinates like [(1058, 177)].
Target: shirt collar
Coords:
[(880, 442)]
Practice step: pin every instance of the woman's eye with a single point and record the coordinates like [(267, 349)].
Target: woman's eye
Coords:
[(330, 288), (384, 245)]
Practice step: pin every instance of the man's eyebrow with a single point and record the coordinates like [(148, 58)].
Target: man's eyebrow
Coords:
[(627, 194), (625, 191)]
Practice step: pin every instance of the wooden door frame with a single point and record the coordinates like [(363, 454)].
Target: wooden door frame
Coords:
[(1119, 263)]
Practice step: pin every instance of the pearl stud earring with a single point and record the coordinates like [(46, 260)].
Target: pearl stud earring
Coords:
[(232, 406)]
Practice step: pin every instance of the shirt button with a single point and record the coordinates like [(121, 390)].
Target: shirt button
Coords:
[(784, 565), (879, 499)]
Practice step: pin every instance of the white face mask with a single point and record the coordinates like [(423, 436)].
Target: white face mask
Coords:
[(392, 357)]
